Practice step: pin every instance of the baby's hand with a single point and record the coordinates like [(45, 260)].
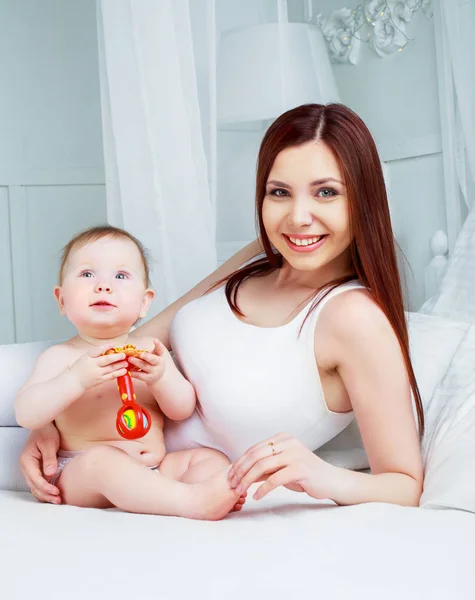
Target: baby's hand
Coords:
[(92, 368), (152, 365)]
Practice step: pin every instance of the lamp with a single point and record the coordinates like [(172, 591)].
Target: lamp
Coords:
[(264, 70)]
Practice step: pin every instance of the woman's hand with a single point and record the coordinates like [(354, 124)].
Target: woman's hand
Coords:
[(281, 460), (40, 453)]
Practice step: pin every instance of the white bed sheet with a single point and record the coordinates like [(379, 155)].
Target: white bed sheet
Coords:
[(285, 546)]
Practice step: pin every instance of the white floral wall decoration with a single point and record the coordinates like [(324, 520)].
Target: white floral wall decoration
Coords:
[(380, 23)]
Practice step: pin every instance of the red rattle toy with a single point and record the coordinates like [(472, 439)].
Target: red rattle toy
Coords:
[(133, 421)]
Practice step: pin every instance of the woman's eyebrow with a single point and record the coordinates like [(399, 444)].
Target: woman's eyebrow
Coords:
[(326, 180), (279, 183), (316, 182)]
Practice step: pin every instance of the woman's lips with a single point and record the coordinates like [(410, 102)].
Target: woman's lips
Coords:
[(308, 247)]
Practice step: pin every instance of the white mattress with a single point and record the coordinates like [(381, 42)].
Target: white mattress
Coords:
[(285, 546)]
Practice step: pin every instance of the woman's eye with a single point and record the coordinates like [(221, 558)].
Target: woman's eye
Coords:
[(326, 193), (280, 193)]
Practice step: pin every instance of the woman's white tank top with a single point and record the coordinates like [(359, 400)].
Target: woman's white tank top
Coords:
[(252, 382)]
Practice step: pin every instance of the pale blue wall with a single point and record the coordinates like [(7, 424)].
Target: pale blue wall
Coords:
[(51, 161), (51, 158)]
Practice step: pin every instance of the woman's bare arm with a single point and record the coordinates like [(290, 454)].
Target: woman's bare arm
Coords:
[(369, 360), (159, 326)]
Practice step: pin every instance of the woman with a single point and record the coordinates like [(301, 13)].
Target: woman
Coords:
[(304, 339)]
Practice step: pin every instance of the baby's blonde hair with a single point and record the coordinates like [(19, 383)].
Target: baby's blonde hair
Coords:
[(93, 234)]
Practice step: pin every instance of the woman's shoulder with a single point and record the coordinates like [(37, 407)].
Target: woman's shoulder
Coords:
[(352, 328), (346, 301), (353, 311), (349, 323)]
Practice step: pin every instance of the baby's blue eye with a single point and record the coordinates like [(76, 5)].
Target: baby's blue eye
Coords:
[(86, 274), (120, 276)]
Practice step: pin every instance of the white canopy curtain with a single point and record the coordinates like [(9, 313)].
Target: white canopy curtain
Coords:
[(155, 164), (458, 17), (455, 22)]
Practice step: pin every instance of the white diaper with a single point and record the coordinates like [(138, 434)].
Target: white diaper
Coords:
[(65, 456)]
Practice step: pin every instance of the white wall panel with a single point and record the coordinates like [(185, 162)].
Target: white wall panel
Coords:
[(49, 105), (416, 188), (45, 218), (7, 326)]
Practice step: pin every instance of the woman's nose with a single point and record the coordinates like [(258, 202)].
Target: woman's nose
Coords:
[(300, 214)]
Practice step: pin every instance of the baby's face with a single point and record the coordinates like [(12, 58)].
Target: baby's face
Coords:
[(104, 287)]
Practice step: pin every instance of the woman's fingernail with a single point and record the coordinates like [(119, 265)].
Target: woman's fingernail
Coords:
[(233, 482), (50, 470), (239, 490)]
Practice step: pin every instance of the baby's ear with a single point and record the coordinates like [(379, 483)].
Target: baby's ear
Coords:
[(147, 301), (58, 294)]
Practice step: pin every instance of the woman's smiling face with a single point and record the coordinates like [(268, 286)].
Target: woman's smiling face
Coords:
[(305, 209)]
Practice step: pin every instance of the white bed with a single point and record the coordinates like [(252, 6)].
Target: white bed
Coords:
[(285, 546)]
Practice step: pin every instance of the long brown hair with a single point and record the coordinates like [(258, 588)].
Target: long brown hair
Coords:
[(373, 254)]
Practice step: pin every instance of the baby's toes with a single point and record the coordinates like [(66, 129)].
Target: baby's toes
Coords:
[(240, 503)]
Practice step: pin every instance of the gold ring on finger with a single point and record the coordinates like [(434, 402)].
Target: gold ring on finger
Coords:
[(271, 444)]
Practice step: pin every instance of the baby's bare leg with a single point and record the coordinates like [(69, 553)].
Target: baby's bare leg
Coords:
[(77, 488), (194, 465), (105, 476), (197, 466)]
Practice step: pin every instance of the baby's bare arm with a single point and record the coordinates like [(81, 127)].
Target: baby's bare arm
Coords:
[(174, 394), (50, 389), (54, 385)]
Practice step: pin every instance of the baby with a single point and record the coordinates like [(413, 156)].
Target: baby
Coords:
[(103, 290)]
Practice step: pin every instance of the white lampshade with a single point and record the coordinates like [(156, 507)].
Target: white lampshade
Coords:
[(265, 70)]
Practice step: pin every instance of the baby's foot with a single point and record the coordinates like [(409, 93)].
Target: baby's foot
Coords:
[(213, 499)]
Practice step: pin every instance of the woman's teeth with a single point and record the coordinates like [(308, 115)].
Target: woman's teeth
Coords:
[(305, 242)]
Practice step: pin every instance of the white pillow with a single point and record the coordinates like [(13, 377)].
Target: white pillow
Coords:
[(16, 365), (449, 480), (433, 342), (12, 440), (449, 447)]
